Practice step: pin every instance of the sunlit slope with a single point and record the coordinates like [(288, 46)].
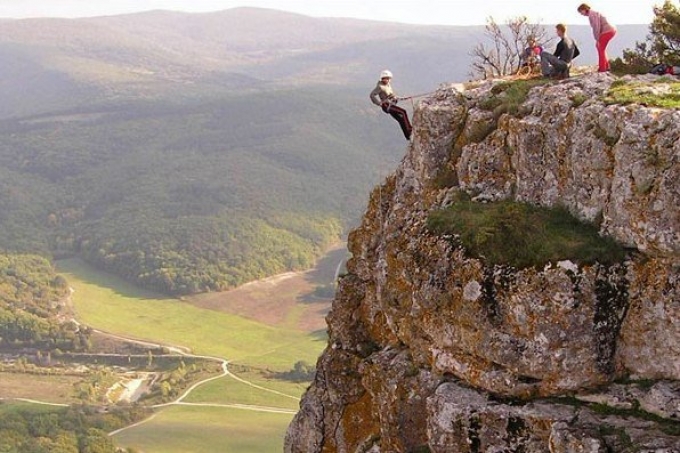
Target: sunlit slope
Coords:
[(112, 305), (184, 197)]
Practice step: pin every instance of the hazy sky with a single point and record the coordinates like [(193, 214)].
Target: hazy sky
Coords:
[(448, 12)]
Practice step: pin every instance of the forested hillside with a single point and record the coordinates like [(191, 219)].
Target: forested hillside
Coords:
[(195, 152), (31, 302), (187, 198)]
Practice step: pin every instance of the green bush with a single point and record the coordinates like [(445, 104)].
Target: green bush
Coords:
[(661, 45), (630, 65), (523, 235), (578, 99), (325, 291)]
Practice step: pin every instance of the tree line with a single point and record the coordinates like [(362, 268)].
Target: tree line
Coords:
[(198, 254), (77, 429)]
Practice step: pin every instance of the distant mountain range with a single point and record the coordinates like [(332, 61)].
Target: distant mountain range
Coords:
[(192, 152), (51, 61)]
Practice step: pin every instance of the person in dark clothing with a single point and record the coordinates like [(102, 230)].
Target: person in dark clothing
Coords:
[(557, 64), (383, 96)]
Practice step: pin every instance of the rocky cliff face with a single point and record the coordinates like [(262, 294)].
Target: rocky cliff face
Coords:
[(431, 350)]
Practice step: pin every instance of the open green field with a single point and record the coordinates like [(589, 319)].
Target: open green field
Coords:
[(231, 391), (201, 430), (108, 303), (59, 389)]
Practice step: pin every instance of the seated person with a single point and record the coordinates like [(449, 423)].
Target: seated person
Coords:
[(557, 65), (532, 54)]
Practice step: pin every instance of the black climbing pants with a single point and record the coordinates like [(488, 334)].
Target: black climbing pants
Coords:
[(401, 116)]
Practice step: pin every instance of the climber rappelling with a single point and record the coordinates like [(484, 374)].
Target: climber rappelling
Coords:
[(383, 96)]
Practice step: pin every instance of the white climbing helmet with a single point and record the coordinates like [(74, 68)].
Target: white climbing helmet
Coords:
[(386, 74)]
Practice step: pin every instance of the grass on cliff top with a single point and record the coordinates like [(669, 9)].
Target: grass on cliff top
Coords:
[(523, 235), (663, 92), (507, 97)]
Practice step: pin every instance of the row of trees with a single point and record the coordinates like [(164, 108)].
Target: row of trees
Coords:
[(78, 429), (19, 329), (301, 372), (199, 254)]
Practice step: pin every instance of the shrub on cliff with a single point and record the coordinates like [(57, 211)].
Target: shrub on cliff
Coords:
[(523, 235), (662, 44)]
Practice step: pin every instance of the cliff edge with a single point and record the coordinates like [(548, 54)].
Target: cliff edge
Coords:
[(435, 349)]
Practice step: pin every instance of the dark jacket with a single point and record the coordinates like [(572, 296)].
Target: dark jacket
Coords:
[(566, 49)]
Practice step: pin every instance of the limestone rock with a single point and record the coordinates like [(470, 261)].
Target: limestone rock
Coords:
[(431, 350), (649, 346), (663, 399), (463, 420)]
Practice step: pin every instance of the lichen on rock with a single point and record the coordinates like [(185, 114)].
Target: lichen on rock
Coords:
[(431, 349)]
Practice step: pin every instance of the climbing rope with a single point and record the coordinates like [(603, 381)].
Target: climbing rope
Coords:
[(412, 97), (380, 207), (417, 95)]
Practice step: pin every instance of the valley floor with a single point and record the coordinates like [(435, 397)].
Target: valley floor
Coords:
[(251, 335)]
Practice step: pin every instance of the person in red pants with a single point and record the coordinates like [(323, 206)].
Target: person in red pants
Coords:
[(603, 32), (383, 95)]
